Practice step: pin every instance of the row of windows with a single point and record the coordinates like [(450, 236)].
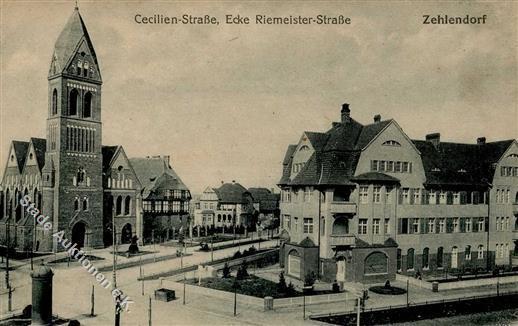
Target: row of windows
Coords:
[(230, 219), (121, 182), (74, 103), (391, 166), (503, 224), (82, 68), (425, 257), (176, 193), (503, 196), (501, 250), (164, 206), (80, 139), (83, 206), (363, 226), (441, 225), (509, 171), (307, 224), (415, 196), (123, 206), (300, 195)]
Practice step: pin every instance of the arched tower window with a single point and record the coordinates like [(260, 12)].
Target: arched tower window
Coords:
[(54, 102), (73, 102), (85, 204), (85, 69), (87, 105), (118, 206), (76, 204), (127, 205)]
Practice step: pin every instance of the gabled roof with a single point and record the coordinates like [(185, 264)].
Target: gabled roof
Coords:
[(68, 41), (267, 200), (108, 152), (456, 164), (20, 150), (230, 193), (336, 155), (40, 147), (156, 175)]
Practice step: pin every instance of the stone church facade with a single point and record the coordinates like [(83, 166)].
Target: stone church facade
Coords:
[(86, 189)]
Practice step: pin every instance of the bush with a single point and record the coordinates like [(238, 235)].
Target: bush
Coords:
[(242, 273), (252, 250), (291, 289), (226, 271), (237, 254), (204, 246), (281, 286), (310, 279), (335, 287)]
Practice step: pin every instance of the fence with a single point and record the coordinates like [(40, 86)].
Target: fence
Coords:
[(459, 284)]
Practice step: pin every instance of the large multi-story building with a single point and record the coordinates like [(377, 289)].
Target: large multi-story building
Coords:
[(86, 189), (363, 202)]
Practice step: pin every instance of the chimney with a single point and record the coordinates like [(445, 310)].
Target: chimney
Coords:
[(167, 158), (377, 118), (434, 138), (222, 182), (346, 113), (233, 182), (481, 140)]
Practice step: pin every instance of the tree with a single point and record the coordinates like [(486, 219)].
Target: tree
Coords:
[(226, 271), (281, 286), (310, 279)]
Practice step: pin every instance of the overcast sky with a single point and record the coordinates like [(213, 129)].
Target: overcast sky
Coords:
[(225, 101)]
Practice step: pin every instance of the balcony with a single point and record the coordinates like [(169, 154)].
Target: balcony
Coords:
[(338, 207), (342, 240)]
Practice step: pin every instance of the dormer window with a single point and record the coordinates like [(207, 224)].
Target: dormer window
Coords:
[(304, 148), (391, 143), (513, 155), (436, 170), (461, 171)]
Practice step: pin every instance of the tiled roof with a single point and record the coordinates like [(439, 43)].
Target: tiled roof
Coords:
[(267, 200), (20, 149), (108, 152), (155, 175), (230, 193), (336, 154), (375, 176), (68, 40), (453, 164), (40, 147)]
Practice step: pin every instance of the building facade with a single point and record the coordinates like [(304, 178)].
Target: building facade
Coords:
[(360, 203)]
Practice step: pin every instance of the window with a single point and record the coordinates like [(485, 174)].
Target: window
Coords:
[(415, 225), (73, 102), (390, 166), (481, 224), (364, 194), (456, 198), (85, 204), (323, 227), (442, 197), (303, 148), (480, 252), (118, 206), (431, 225), (417, 196), (127, 205), (391, 143), (376, 226), (406, 195), (442, 225), (467, 253), (374, 165), (287, 221), (410, 259), (386, 228), (377, 194), (440, 258), (307, 194), (76, 204), (432, 197), (507, 223), (55, 102), (397, 167), (388, 195), (382, 166), (87, 105), (506, 250), (362, 226), (405, 168), (467, 224), (455, 224), (308, 225), (498, 224), (425, 262), (296, 223)]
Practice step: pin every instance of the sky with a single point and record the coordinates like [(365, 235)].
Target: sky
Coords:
[(225, 101)]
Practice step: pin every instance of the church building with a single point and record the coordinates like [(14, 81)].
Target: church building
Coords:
[(86, 189)]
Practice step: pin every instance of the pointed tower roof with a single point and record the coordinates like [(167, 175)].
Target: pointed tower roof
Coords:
[(69, 40)]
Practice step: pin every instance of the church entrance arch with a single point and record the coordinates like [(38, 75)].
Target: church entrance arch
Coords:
[(78, 234), (126, 234)]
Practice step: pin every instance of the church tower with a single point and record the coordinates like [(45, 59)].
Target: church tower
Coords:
[(72, 175)]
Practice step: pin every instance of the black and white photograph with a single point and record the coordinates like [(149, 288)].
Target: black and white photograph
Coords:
[(258, 162)]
